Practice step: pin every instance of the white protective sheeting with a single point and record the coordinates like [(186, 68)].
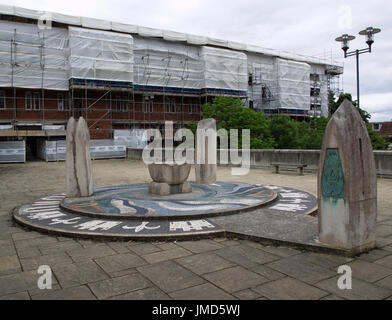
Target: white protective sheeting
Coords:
[(163, 64), (264, 90), (100, 55), (293, 84), (324, 94), (224, 69), (123, 27), (96, 23), (66, 19), (174, 36), (151, 32), (36, 59), (130, 138), (196, 40), (12, 151)]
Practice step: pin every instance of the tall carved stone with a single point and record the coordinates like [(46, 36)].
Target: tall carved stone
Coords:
[(72, 184), (78, 159), (205, 165), (347, 186)]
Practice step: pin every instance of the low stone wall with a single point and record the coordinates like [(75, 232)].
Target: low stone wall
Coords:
[(261, 158)]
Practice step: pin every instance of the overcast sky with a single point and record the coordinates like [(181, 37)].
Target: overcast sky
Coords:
[(300, 26)]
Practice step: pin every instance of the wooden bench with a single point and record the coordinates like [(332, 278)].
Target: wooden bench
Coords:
[(300, 166)]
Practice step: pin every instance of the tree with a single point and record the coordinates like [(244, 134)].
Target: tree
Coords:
[(285, 132), (379, 141), (231, 113), (335, 105)]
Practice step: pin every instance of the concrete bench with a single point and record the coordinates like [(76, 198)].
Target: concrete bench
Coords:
[(300, 166)]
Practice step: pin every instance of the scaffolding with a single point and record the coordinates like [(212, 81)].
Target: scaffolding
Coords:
[(137, 80)]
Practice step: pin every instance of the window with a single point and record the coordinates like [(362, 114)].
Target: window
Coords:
[(118, 104), (60, 102), (170, 106), (67, 104), (37, 101), (148, 106), (28, 101), (2, 100)]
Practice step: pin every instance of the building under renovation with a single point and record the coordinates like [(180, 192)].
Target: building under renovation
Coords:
[(124, 78)]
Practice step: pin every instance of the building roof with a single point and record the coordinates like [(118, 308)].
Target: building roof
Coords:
[(159, 33)]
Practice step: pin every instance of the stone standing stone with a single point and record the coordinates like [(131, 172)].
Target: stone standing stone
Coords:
[(78, 160), (347, 186), (206, 149), (72, 185), (83, 166)]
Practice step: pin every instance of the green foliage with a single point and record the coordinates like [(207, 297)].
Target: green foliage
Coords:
[(335, 105), (279, 132), (231, 113), (379, 141)]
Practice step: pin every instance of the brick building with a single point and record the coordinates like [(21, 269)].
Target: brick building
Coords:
[(122, 76)]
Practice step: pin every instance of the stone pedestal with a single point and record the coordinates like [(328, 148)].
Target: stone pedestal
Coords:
[(347, 188), (169, 178), (206, 148), (165, 189), (78, 160)]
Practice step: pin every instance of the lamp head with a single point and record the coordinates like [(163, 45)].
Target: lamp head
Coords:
[(345, 39), (369, 32)]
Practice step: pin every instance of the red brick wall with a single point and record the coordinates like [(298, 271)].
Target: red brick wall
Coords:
[(102, 115)]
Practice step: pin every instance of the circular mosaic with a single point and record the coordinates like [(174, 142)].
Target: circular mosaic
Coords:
[(135, 202), (129, 212)]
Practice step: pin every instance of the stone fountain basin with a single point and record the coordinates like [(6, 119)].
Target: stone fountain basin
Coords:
[(170, 173)]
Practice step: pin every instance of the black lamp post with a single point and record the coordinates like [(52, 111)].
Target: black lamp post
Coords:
[(345, 39)]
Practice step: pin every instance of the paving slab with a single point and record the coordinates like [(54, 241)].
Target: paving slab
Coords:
[(76, 274), (117, 286), (120, 262), (290, 289), (204, 263), (386, 261), (367, 271), (50, 260), (246, 256), (166, 255), (200, 246), (361, 290), (144, 248), (247, 294), (16, 296), (235, 279), (205, 291), (374, 255), (152, 293), (386, 282), (93, 252), (9, 265), (19, 282), (384, 230), (296, 267), (169, 276), (73, 293), (267, 272), (323, 259)]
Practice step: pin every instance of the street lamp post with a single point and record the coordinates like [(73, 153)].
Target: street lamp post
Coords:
[(345, 39)]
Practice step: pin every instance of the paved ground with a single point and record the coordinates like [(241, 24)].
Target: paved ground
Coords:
[(205, 269)]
